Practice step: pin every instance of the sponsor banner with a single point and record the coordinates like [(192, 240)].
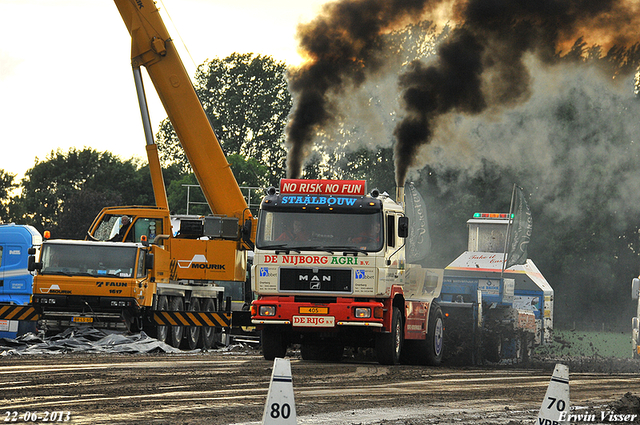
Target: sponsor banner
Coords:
[(314, 321), (295, 260), (323, 187), (520, 231), (329, 201)]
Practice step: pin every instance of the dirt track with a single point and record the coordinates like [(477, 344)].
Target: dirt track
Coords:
[(230, 387)]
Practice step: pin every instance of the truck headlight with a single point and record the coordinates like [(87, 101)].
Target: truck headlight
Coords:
[(362, 312), (267, 310)]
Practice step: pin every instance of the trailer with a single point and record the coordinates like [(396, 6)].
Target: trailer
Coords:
[(491, 314), (17, 243)]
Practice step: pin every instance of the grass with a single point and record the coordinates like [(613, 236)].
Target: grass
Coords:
[(588, 344)]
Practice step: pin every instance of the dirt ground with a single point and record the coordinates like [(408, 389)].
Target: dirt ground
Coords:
[(229, 386)]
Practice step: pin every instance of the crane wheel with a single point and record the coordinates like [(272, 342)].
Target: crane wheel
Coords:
[(192, 333), (209, 336), (176, 332)]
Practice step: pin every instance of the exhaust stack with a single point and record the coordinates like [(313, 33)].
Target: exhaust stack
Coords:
[(400, 195)]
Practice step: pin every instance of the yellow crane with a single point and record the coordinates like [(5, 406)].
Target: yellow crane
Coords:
[(158, 269)]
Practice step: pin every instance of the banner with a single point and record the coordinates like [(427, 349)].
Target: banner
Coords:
[(520, 232), (419, 241)]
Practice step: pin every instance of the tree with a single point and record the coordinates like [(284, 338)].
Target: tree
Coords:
[(65, 192), (7, 185), (248, 173), (246, 99)]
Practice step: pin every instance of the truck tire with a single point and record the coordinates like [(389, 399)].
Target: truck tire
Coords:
[(428, 351), (192, 333), (434, 346), (209, 335), (389, 345), (153, 329), (492, 348), (273, 344), (176, 332)]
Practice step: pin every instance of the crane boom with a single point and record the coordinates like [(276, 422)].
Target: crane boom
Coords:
[(152, 47)]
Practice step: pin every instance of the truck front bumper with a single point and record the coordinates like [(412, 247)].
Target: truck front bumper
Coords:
[(317, 315)]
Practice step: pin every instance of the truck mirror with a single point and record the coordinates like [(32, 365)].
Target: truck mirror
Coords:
[(31, 251), (635, 287), (403, 227), (32, 265), (246, 230), (246, 233), (148, 260)]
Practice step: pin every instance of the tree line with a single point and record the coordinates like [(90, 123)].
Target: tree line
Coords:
[(589, 257)]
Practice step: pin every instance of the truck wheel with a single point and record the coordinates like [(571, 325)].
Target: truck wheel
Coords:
[(492, 348), (389, 345), (154, 330), (273, 344), (192, 333), (176, 332), (209, 336), (435, 336)]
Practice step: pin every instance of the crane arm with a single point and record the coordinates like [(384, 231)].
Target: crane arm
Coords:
[(152, 47)]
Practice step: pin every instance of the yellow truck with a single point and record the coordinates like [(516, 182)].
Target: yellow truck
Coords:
[(135, 269)]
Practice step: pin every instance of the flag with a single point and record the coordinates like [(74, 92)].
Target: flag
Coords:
[(521, 231), (419, 241)]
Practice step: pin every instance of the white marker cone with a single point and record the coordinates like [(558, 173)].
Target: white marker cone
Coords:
[(555, 406), (280, 408)]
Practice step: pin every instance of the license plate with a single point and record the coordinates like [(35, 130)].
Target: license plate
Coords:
[(83, 319), (313, 310), (314, 321)]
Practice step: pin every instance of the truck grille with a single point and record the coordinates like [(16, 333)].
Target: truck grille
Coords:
[(315, 280)]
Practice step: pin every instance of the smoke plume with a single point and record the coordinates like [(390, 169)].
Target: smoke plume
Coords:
[(481, 68)]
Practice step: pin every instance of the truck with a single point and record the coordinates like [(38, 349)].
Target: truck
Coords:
[(494, 315), (134, 270), (17, 243), (330, 271)]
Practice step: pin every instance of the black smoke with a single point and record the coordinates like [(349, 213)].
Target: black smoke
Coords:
[(480, 67)]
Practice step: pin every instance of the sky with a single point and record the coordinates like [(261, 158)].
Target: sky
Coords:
[(65, 69)]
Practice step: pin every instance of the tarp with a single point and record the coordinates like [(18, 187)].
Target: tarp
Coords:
[(86, 340)]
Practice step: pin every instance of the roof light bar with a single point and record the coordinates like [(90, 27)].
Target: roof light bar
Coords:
[(492, 215)]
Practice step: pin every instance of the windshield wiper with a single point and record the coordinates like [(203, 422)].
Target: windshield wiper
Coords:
[(282, 247), (57, 272), (348, 249), (329, 249)]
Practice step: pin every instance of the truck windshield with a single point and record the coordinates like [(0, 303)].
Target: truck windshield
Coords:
[(319, 231), (115, 260), (118, 228), (487, 237)]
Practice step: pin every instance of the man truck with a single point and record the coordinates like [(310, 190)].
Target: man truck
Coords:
[(342, 279), (134, 270), (330, 271)]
